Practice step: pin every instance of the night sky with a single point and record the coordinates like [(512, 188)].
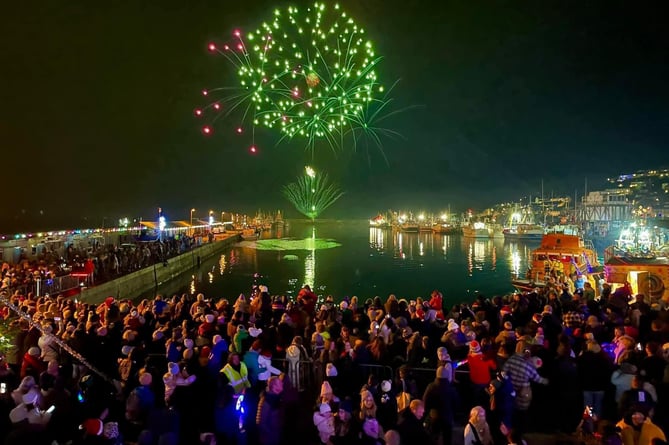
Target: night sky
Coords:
[(97, 122)]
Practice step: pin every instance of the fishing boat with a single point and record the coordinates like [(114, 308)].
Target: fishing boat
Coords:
[(379, 222), (410, 227), (522, 226), (446, 228), (640, 258), (524, 232), (560, 253), (476, 229)]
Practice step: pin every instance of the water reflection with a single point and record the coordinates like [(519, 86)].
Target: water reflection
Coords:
[(519, 255), (367, 261), (310, 260), (377, 239)]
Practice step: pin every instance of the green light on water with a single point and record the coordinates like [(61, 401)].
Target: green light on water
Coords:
[(296, 244)]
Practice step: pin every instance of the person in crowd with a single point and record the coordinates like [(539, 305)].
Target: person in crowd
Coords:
[(440, 402), (270, 415), (521, 370), (346, 427), (637, 429), (325, 423), (477, 431), (410, 426), (409, 345), (594, 371), (236, 374)]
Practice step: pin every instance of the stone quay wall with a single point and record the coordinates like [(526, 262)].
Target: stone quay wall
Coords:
[(134, 284)]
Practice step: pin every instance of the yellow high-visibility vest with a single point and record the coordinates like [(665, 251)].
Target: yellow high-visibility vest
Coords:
[(238, 380)]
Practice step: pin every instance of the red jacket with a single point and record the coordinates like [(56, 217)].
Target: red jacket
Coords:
[(32, 365), (480, 368)]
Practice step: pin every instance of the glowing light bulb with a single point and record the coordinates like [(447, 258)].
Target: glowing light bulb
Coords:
[(237, 33), (212, 47), (198, 112), (240, 47), (226, 47), (206, 129), (239, 130), (217, 106), (205, 92), (253, 149)]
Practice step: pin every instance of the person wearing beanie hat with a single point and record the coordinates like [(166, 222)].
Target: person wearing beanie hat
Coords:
[(32, 364), (327, 394), (480, 370), (324, 422), (174, 377), (507, 335)]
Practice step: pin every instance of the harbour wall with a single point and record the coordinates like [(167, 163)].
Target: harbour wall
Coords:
[(133, 285)]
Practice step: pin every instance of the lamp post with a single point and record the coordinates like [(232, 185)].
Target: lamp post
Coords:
[(191, 221)]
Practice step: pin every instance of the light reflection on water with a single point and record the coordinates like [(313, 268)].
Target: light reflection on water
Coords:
[(369, 262)]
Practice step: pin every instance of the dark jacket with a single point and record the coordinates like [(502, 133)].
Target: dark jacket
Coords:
[(440, 400), (594, 371), (411, 429), (270, 419)]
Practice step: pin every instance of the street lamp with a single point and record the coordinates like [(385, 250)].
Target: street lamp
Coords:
[(191, 221)]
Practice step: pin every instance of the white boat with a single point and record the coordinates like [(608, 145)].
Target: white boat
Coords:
[(476, 230), (519, 232)]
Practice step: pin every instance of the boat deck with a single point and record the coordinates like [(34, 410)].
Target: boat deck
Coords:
[(652, 261)]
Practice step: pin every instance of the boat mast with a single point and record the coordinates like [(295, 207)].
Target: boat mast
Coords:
[(585, 204), (543, 207)]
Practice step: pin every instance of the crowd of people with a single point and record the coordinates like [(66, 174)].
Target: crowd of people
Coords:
[(271, 370), (97, 262)]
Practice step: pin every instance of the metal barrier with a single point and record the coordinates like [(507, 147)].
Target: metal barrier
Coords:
[(302, 375), (380, 372), (425, 376), (61, 284), (52, 286)]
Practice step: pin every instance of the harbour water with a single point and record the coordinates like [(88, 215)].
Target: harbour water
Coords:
[(361, 261)]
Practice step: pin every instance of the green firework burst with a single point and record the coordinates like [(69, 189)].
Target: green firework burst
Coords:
[(312, 193), (308, 72)]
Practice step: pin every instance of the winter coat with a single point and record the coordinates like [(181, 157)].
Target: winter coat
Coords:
[(411, 429), (440, 400), (270, 419)]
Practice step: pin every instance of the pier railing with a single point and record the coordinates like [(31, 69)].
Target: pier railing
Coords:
[(51, 286)]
